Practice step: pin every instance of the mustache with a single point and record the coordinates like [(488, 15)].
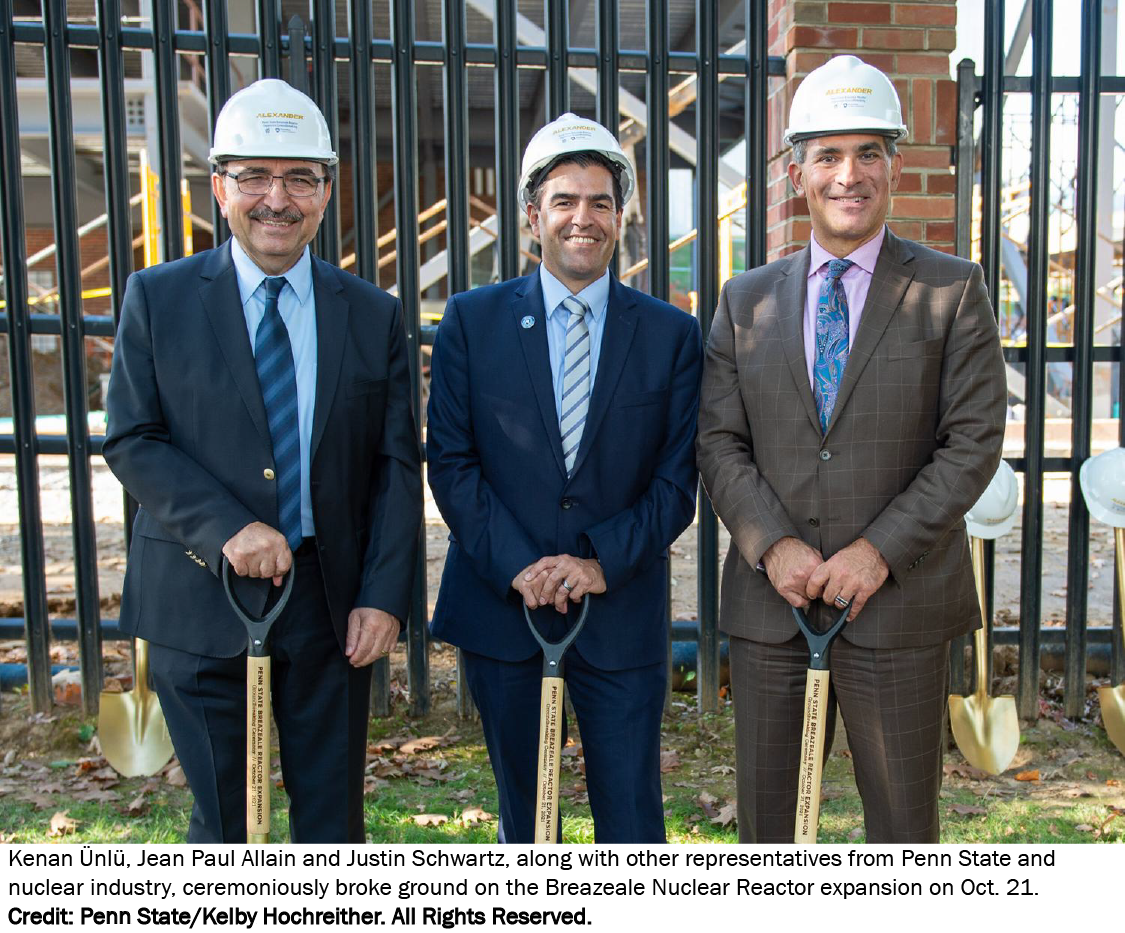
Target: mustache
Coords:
[(264, 213)]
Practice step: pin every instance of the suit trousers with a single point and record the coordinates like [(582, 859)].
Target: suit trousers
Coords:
[(893, 704), (619, 714), (320, 706)]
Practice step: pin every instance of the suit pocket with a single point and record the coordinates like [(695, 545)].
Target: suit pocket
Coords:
[(639, 400), (919, 349), (366, 388)]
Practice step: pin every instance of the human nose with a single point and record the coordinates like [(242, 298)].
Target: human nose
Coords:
[(582, 215), (847, 172), (276, 196)]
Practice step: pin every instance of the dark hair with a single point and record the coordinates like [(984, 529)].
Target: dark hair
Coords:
[(582, 160), (801, 148)]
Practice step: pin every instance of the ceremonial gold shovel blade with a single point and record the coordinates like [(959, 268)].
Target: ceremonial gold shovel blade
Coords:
[(986, 728), (1112, 699), (131, 728)]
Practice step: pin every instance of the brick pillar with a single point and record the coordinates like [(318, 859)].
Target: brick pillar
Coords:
[(911, 43)]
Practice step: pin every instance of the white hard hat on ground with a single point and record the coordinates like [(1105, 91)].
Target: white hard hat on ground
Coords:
[(1103, 485), (571, 134), (271, 119), (994, 513), (845, 95)]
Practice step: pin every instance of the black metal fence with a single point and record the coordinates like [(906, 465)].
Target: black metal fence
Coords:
[(308, 53)]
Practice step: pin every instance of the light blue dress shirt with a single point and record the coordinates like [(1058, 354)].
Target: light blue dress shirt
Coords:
[(596, 295), (297, 307)]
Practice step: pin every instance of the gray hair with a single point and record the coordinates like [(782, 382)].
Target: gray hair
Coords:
[(801, 149)]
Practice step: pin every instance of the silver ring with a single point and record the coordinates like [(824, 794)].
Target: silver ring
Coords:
[(840, 601), (567, 586)]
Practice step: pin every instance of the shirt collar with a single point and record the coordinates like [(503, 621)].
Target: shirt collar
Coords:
[(250, 277), (864, 256), (596, 294)]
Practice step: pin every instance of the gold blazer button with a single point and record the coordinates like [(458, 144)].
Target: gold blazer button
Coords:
[(268, 473)]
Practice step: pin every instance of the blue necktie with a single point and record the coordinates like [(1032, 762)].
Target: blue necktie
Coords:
[(273, 358), (831, 340), (576, 380)]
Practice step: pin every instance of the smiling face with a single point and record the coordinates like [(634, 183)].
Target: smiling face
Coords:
[(275, 227), (847, 181), (577, 222)]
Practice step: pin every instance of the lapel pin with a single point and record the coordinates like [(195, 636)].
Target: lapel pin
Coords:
[(527, 323)]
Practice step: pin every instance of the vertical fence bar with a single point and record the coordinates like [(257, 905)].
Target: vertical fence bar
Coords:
[(963, 233), (656, 205), (707, 286), (269, 37), (68, 263), (1086, 217), (298, 61), (36, 633), (507, 140), (457, 200), (166, 67), (363, 143), (607, 39), (324, 92), (404, 117), (558, 43), (1117, 652), (216, 30), (756, 130), (1035, 382)]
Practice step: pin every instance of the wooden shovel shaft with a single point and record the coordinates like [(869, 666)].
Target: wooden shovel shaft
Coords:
[(257, 749), (812, 757), (550, 757)]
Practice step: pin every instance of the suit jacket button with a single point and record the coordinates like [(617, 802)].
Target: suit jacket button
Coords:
[(815, 522), (567, 502), (268, 473), (826, 455)]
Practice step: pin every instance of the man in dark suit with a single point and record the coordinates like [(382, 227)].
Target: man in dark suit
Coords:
[(852, 411), (259, 410), (560, 452)]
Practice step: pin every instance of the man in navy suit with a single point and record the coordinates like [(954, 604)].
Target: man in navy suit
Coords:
[(560, 446), (259, 410)]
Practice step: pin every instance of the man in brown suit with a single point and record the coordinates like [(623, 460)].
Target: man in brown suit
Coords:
[(852, 411)]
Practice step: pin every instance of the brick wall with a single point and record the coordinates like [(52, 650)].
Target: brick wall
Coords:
[(911, 43)]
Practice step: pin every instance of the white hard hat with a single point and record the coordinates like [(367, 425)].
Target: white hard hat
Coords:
[(845, 95), (1103, 484), (994, 513), (271, 119), (572, 134)]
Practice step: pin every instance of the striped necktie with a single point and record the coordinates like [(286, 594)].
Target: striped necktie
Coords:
[(576, 380), (277, 376), (831, 340)]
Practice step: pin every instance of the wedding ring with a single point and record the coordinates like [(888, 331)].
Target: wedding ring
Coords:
[(567, 586), (840, 601)]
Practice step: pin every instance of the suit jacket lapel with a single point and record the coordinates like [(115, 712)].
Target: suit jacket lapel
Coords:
[(792, 299), (533, 341), (331, 329), (222, 304), (617, 337), (893, 273)]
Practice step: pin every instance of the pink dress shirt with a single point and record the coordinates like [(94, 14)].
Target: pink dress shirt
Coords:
[(856, 282)]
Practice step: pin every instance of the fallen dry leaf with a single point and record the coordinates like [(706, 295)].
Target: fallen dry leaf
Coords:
[(965, 771), (61, 824), (474, 815), (430, 819), (1084, 828), (137, 805), (855, 834), (725, 816), (175, 776), (669, 760), (423, 744), (963, 810), (1112, 782), (1028, 775)]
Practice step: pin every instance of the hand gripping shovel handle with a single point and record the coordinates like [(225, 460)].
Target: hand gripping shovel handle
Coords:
[(550, 725), (257, 705), (812, 737)]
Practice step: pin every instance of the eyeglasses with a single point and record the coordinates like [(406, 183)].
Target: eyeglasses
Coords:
[(296, 185)]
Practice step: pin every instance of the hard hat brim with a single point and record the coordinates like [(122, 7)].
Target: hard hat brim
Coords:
[(990, 532)]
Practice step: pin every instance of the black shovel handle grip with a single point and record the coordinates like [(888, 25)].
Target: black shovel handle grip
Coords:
[(553, 651), (257, 630), (820, 642)]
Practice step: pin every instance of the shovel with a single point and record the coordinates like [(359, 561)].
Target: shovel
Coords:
[(986, 728), (550, 726), (257, 707), (816, 724), (131, 728), (1112, 699)]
